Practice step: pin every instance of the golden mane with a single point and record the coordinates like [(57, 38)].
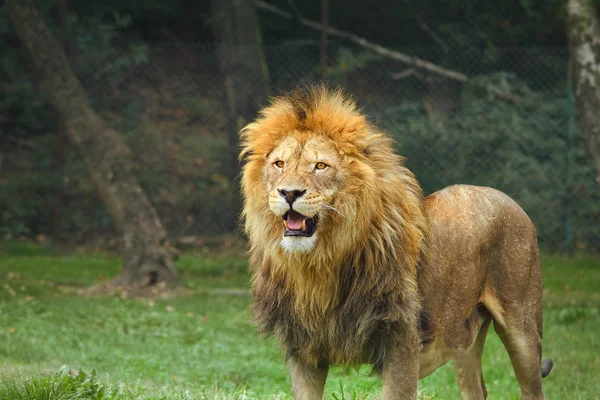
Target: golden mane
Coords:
[(377, 250)]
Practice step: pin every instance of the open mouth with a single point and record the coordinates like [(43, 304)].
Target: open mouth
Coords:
[(297, 224)]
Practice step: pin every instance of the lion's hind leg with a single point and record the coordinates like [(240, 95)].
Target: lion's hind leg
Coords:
[(467, 365), (520, 329), (516, 307), (524, 346)]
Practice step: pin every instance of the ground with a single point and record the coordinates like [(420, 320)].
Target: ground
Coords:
[(199, 343)]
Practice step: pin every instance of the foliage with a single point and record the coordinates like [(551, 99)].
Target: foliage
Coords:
[(521, 149), (199, 343), (100, 56), (178, 144), (168, 106)]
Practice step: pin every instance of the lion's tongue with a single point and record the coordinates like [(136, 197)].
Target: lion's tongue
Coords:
[(294, 220)]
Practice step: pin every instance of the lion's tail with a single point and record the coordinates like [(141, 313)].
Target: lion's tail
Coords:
[(547, 365)]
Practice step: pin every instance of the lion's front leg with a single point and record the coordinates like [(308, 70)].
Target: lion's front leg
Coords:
[(401, 369), (308, 382)]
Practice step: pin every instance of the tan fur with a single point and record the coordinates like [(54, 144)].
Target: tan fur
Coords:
[(386, 266)]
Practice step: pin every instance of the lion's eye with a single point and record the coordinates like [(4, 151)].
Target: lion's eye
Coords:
[(279, 164), (321, 165)]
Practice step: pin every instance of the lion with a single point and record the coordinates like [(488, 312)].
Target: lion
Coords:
[(351, 265)]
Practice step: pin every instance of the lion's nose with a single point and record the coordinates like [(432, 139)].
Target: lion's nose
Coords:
[(291, 195)]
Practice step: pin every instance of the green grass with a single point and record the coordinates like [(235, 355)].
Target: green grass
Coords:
[(199, 344)]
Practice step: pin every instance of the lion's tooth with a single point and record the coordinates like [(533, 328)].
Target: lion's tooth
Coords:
[(303, 224), (285, 224)]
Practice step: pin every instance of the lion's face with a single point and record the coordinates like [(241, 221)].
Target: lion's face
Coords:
[(302, 178), (318, 180)]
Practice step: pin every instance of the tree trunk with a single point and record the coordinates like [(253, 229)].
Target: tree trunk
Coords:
[(245, 75), (323, 50), (147, 257), (583, 31), (59, 149)]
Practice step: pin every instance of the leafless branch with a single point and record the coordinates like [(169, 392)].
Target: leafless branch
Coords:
[(386, 52), (405, 74), (425, 28), (436, 38), (295, 9), (504, 95)]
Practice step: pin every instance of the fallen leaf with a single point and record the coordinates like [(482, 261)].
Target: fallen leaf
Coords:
[(29, 299), (14, 275), (170, 308), (9, 290)]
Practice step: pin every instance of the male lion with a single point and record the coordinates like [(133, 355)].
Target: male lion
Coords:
[(350, 264)]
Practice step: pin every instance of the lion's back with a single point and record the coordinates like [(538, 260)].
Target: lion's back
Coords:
[(474, 210)]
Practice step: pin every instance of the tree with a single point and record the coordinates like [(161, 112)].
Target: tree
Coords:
[(59, 150), (323, 50), (583, 31), (147, 257), (244, 71)]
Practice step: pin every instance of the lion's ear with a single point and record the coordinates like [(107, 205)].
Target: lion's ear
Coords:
[(373, 143), (366, 146)]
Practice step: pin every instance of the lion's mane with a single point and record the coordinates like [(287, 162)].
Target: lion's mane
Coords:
[(344, 301)]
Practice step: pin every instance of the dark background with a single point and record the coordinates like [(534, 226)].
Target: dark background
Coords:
[(151, 70)]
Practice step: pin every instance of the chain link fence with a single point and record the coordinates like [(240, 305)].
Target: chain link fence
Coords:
[(169, 103)]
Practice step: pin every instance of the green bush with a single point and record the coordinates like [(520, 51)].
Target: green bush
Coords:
[(174, 122), (521, 149)]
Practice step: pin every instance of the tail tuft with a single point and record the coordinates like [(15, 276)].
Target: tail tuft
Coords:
[(547, 365)]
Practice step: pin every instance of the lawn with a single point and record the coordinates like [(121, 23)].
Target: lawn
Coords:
[(199, 344)]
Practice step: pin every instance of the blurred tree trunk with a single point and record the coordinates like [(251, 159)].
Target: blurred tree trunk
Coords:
[(147, 257), (59, 149), (583, 32), (245, 75), (323, 50)]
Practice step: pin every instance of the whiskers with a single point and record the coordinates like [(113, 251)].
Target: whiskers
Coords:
[(330, 207)]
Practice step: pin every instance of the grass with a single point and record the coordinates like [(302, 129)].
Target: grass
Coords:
[(199, 344)]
